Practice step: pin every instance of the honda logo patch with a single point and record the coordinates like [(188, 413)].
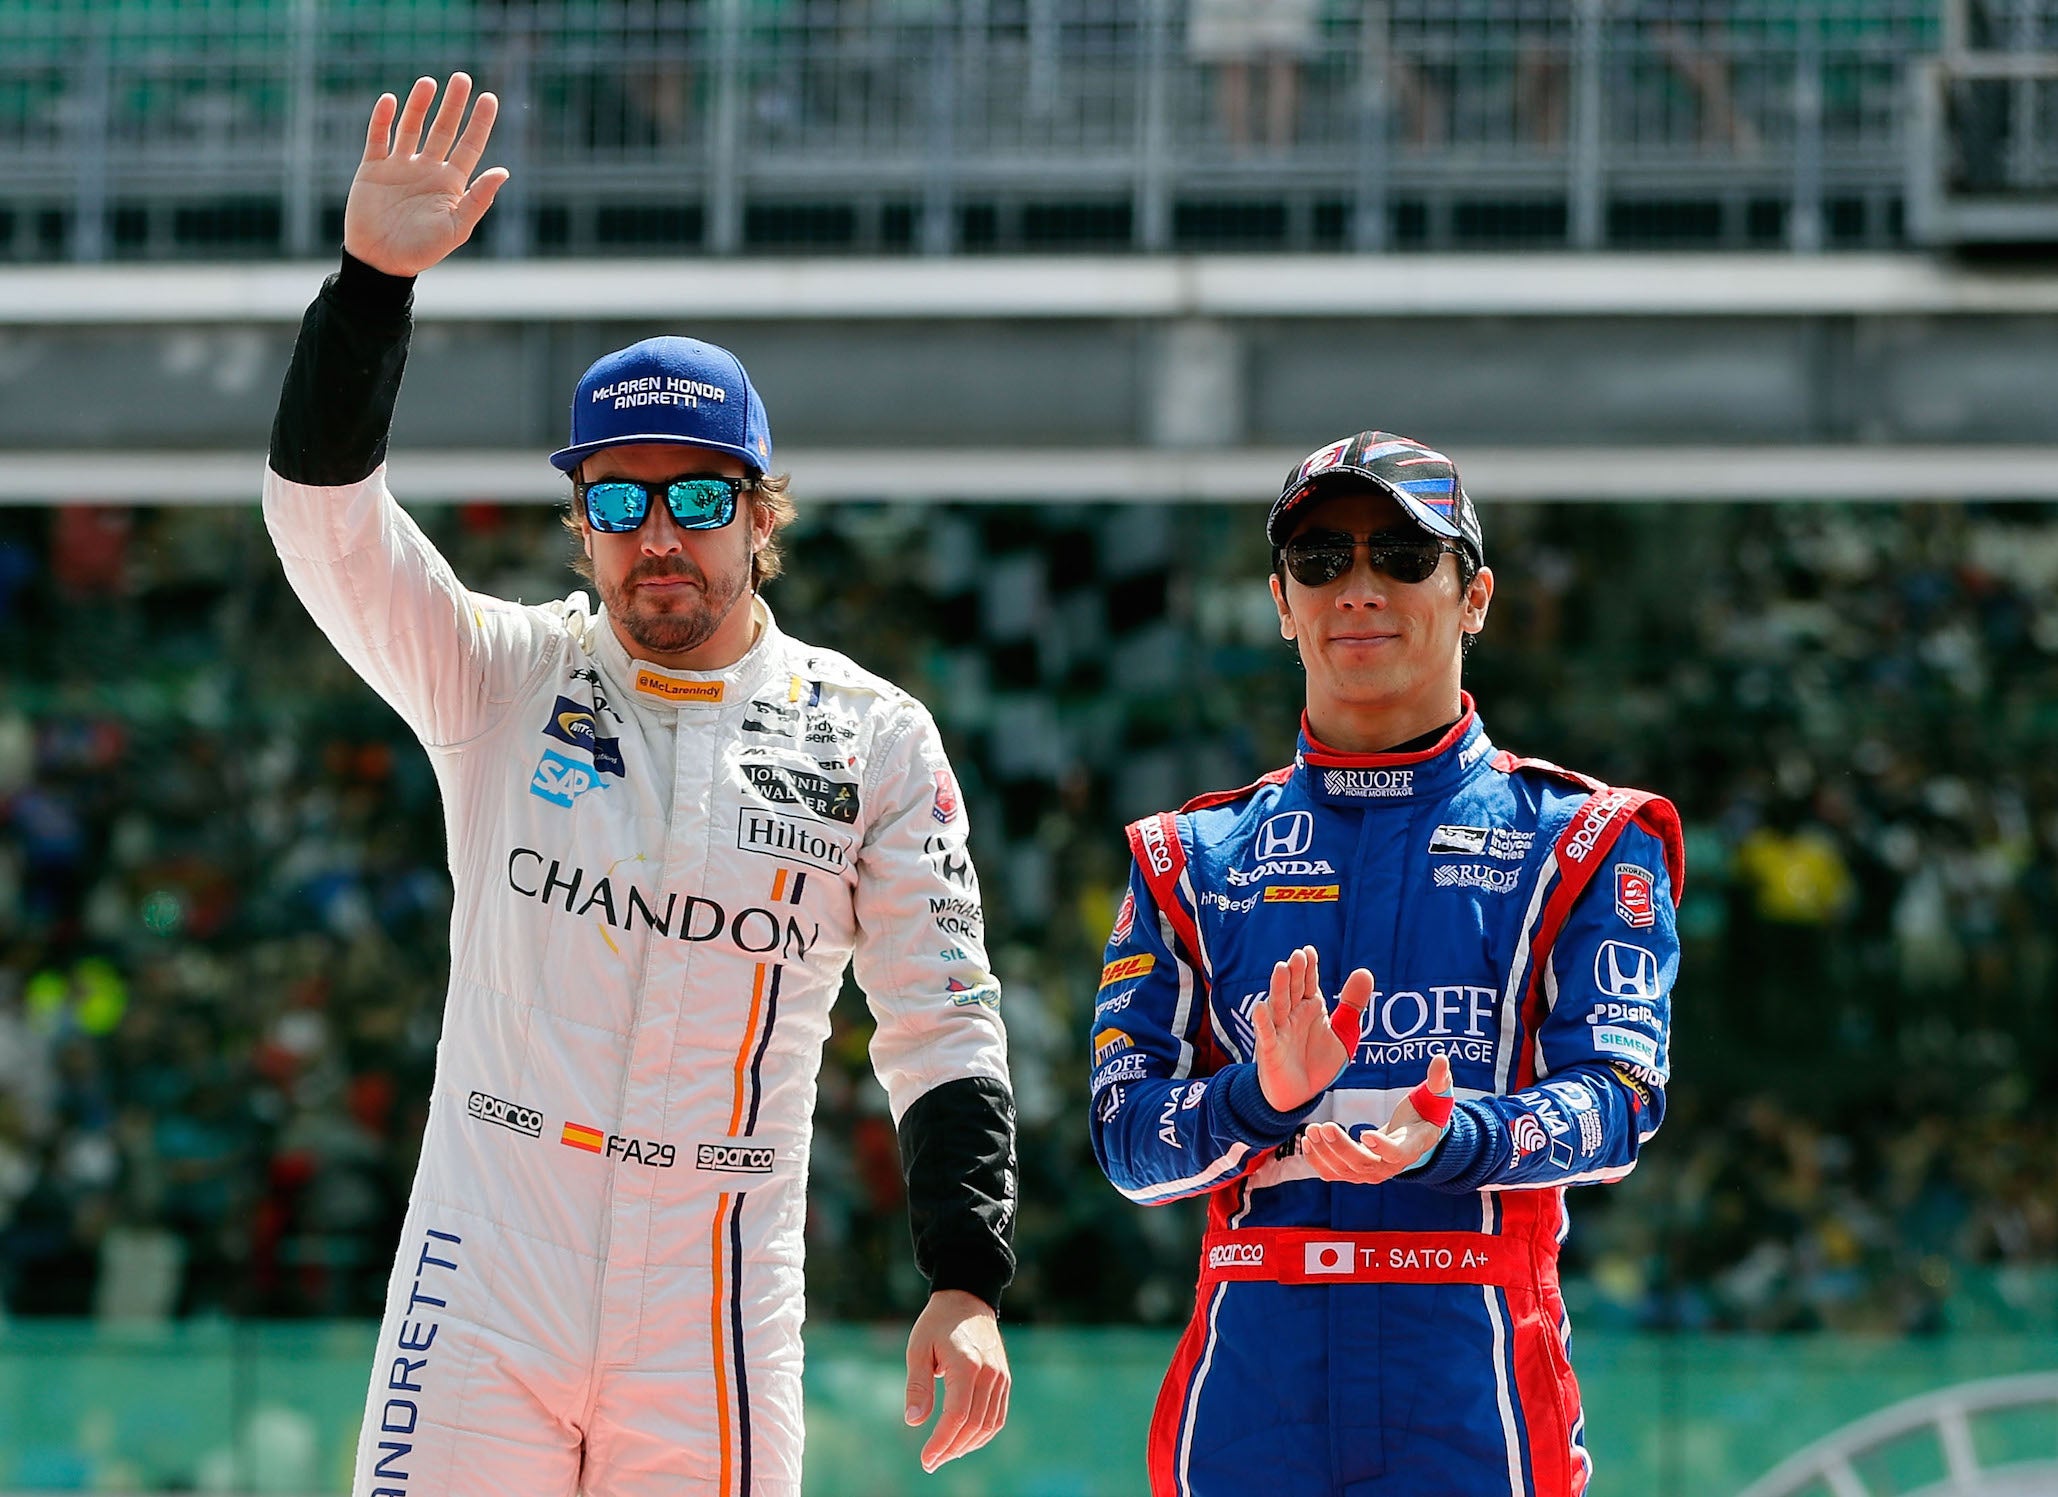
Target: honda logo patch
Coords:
[(1625, 971), (1286, 835)]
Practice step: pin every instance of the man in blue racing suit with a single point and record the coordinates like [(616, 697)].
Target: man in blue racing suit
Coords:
[(1378, 1310)]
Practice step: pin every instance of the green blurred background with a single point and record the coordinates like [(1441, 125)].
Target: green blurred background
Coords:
[(273, 1408)]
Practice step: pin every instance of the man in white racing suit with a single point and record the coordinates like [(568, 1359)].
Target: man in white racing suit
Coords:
[(671, 828)]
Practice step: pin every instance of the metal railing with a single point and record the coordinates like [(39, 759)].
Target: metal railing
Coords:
[(162, 128), (1945, 1424), (1984, 149)]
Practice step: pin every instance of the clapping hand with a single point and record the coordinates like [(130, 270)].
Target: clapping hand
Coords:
[(1301, 1048), (413, 200), (1377, 1155)]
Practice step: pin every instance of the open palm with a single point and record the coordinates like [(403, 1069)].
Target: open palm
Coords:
[(1301, 1047), (413, 200)]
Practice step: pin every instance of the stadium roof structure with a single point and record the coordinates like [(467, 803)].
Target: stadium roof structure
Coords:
[(1136, 474), (1284, 286), (1714, 334)]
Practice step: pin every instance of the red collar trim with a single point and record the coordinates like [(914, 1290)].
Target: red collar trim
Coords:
[(1317, 752)]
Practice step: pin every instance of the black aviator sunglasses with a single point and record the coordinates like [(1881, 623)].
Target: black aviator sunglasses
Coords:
[(1319, 557)]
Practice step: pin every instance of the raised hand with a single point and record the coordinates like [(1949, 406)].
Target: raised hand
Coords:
[(413, 200), (1301, 1049), (1376, 1156)]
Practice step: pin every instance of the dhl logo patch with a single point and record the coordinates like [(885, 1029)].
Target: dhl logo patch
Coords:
[(1303, 893), (1127, 967)]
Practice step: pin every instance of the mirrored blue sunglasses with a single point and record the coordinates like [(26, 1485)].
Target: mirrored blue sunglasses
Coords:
[(699, 501)]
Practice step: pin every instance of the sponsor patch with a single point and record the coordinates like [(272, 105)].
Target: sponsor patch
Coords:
[(735, 1159), (1303, 893), (1623, 1013), (965, 994), (775, 718), (945, 810), (574, 724), (951, 860), (1627, 1043), (1286, 835), (1110, 1104), (1467, 840), (1126, 968), (669, 689), (1324, 458), (1625, 971), (1635, 896), (1110, 1043), (1154, 848), (1369, 784), (1591, 1134), (1528, 1134), (832, 800), (1125, 919), (1168, 1126), (1281, 868), (510, 1115), (1237, 1255), (1126, 1067), (579, 1136), (957, 917), (1509, 845), (1641, 1092), (1504, 844), (796, 841), (1476, 876), (562, 780), (1600, 810), (1114, 1005)]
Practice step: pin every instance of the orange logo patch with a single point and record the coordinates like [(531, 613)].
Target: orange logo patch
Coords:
[(665, 689), (1109, 1042)]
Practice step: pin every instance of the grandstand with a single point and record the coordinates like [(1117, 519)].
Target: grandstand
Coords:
[(1769, 473)]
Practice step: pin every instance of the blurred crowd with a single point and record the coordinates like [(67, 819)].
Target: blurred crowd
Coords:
[(223, 892)]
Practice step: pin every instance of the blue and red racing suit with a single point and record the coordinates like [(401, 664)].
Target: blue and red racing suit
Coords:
[(1404, 1338)]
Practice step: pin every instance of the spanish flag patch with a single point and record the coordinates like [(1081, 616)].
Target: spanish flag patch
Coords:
[(579, 1136)]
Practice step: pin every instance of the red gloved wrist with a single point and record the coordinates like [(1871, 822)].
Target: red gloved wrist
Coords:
[(1433, 1108)]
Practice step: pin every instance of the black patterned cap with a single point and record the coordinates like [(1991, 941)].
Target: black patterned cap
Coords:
[(1421, 480)]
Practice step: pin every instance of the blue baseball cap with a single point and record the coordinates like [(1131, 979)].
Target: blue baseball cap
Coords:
[(1421, 480), (677, 390)]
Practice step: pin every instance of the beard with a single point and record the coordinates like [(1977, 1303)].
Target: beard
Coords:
[(686, 618)]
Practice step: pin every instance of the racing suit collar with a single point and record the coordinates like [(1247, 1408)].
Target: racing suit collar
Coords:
[(655, 687), (1365, 780)]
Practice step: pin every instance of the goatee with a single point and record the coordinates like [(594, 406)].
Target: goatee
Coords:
[(685, 626)]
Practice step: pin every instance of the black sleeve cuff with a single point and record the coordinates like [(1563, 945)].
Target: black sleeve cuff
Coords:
[(957, 1147), (336, 406), (364, 291)]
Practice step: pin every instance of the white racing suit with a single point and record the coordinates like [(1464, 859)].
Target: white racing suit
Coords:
[(660, 877)]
